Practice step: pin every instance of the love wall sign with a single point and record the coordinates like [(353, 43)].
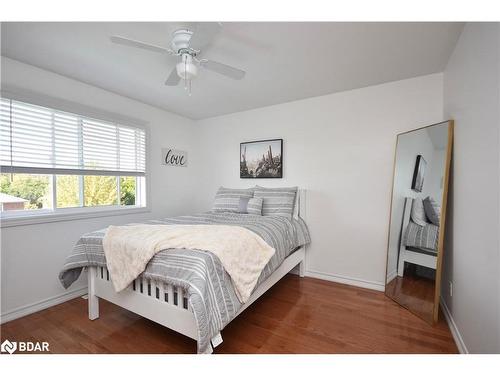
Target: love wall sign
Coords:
[(174, 158)]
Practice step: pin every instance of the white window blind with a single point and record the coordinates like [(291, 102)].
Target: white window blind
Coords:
[(35, 139)]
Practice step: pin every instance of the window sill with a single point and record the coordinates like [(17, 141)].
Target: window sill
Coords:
[(14, 221)]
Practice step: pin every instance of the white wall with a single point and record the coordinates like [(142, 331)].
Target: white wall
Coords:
[(471, 259), (33, 255), (435, 175), (340, 148)]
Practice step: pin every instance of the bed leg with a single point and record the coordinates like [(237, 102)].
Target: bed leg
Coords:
[(93, 299), (302, 268), (209, 350)]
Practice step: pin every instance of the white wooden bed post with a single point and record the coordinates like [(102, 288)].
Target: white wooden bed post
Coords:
[(302, 213), (302, 268), (93, 299)]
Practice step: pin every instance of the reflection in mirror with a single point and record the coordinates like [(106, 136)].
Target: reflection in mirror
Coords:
[(418, 211)]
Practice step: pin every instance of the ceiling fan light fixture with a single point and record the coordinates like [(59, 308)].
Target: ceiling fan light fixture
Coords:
[(186, 69), (187, 44)]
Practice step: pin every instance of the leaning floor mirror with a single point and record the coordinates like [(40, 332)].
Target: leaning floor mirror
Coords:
[(417, 221)]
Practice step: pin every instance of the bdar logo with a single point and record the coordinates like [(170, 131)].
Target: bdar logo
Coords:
[(24, 346), (8, 347)]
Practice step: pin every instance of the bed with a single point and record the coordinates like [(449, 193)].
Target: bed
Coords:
[(188, 290), (418, 243)]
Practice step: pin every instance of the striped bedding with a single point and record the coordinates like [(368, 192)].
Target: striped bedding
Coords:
[(422, 237), (209, 288)]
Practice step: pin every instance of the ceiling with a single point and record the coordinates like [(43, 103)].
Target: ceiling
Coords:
[(283, 61)]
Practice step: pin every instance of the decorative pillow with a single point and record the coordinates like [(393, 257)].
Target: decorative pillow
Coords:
[(277, 201), (432, 210), (418, 212), (252, 206), (228, 200)]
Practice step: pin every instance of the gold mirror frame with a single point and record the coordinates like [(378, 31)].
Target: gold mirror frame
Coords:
[(442, 223)]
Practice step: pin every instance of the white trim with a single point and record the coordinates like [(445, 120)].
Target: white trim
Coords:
[(41, 305), (459, 341), (391, 276), (367, 284), (79, 213)]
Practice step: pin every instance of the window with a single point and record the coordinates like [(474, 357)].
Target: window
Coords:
[(58, 162)]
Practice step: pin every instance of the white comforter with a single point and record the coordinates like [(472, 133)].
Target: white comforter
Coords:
[(243, 253)]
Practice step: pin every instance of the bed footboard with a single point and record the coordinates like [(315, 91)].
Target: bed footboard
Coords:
[(160, 302), (166, 304)]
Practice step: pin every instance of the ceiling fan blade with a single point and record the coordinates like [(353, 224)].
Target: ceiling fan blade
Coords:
[(135, 43), (173, 79), (223, 69), (204, 34)]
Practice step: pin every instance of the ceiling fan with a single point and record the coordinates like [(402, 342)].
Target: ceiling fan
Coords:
[(187, 45)]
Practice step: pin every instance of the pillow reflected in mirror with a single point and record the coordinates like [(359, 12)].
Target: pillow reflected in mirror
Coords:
[(432, 210), (418, 212)]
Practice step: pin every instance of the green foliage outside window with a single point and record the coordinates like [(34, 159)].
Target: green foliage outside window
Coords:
[(34, 188), (68, 191), (127, 191), (97, 191)]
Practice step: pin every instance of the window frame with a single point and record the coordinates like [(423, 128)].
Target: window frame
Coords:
[(28, 217)]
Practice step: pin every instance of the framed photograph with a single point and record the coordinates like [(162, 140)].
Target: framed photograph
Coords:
[(261, 159), (419, 174)]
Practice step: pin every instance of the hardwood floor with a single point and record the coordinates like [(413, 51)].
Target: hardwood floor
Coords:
[(297, 315)]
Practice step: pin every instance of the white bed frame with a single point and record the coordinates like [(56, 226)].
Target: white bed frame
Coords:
[(409, 256), (168, 305)]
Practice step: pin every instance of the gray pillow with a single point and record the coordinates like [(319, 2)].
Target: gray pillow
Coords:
[(228, 200), (432, 210), (252, 206), (277, 201), (418, 212)]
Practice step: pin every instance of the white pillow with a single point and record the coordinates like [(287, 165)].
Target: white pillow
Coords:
[(432, 210), (418, 212)]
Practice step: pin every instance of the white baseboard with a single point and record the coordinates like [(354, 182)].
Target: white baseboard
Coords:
[(41, 305), (374, 285), (391, 276), (454, 329)]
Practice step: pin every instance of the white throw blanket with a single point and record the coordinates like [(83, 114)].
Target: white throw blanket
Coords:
[(243, 253)]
